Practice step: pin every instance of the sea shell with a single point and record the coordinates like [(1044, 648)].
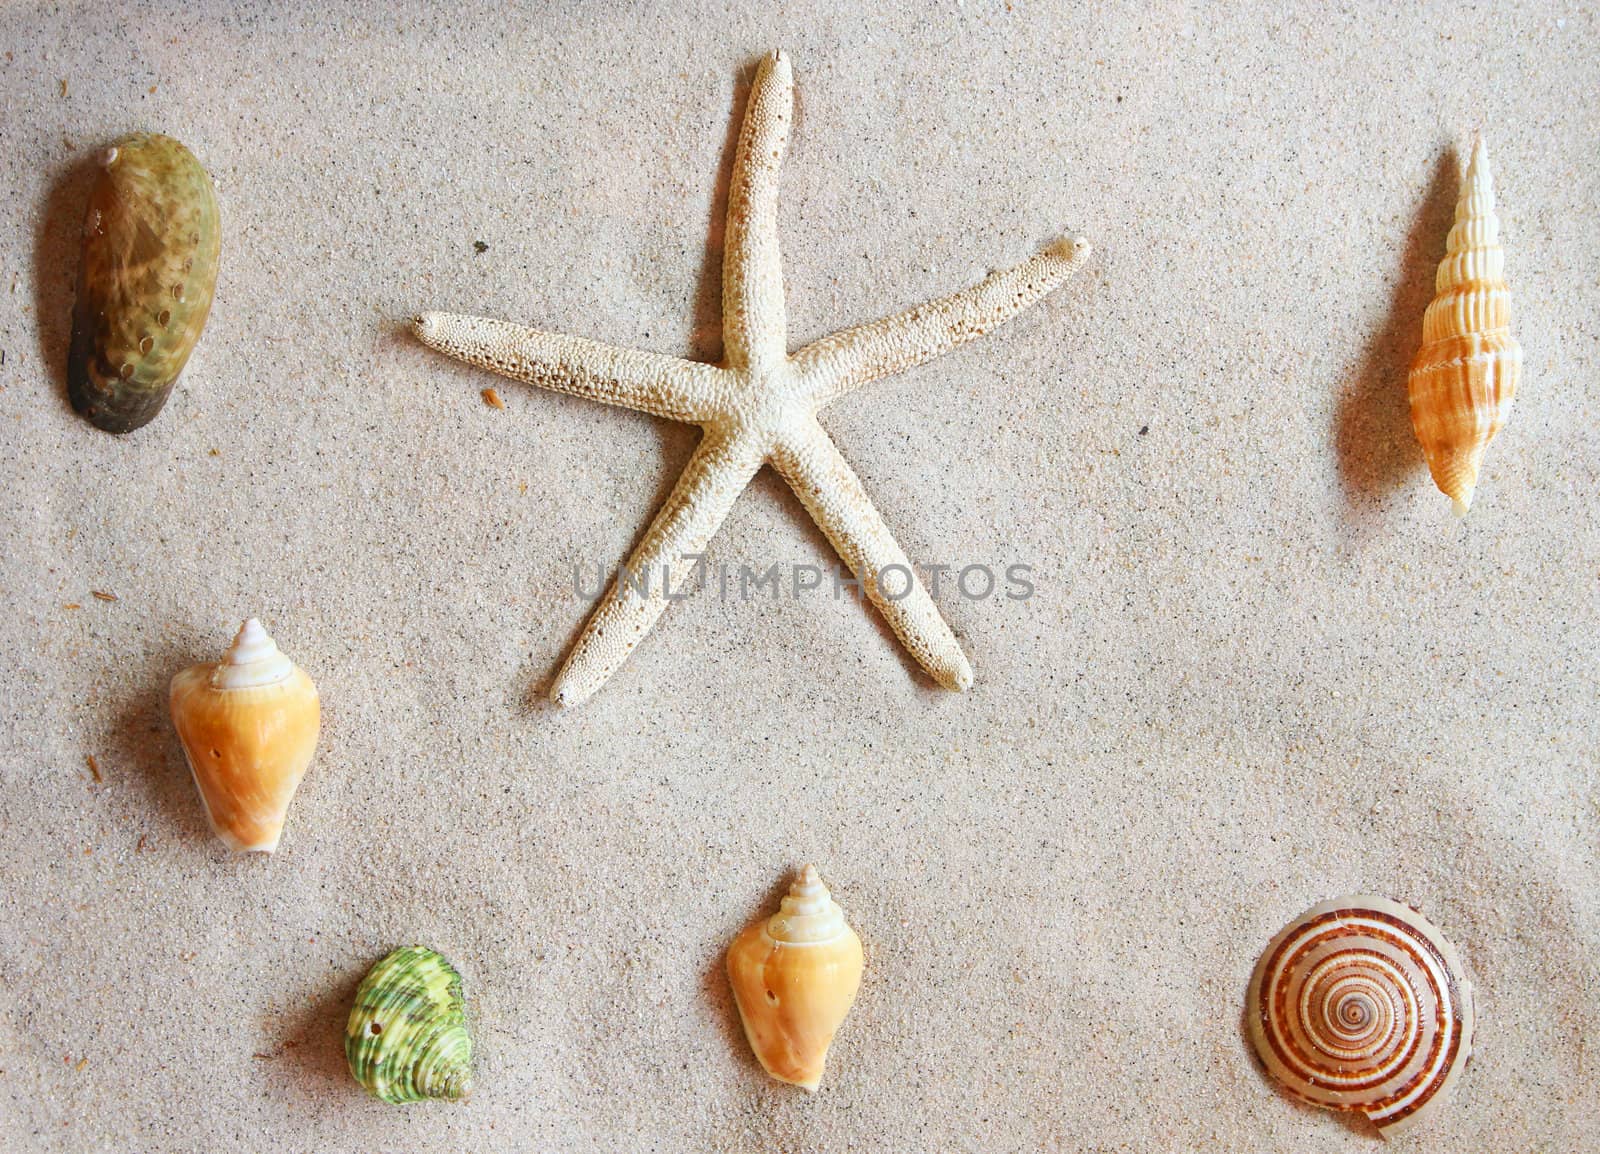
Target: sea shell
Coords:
[(407, 1035), (1361, 1004), (248, 724), (794, 978), (1464, 377), (145, 280)]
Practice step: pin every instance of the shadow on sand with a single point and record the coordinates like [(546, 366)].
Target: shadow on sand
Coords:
[(1372, 421), (55, 262)]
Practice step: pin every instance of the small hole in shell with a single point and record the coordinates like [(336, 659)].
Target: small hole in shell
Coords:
[(146, 345), (377, 1029), (216, 753), (126, 371), (771, 997), (163, 318), (177, 292)]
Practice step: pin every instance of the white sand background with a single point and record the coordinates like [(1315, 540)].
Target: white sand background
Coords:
[(1264, 665)]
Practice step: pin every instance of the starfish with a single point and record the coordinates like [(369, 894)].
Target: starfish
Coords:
[(759, 406)]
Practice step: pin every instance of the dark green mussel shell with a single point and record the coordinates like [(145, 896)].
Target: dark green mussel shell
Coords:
[(145, 281)]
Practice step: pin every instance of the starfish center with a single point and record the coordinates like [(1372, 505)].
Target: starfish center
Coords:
[(766, 399)]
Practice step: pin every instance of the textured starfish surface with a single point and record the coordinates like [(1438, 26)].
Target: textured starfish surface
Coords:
[(759, 406)]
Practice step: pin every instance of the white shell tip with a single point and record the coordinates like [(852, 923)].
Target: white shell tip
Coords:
[(250, 643), (1462, 504), (253, 659), (807, 913), (109, 156), (1478, 170)]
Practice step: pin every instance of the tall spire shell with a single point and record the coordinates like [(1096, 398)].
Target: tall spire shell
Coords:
[(1464, 378), (795, 977), (248, 724)]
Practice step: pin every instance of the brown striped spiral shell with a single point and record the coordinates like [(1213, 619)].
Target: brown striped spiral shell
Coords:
[(1361, 1004)]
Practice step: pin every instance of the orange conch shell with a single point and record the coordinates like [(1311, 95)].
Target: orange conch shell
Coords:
[(795, 976), (249, 725), (1464, 377)]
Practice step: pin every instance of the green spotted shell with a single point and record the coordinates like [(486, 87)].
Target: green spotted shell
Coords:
[(146, 276), (407, 1035)]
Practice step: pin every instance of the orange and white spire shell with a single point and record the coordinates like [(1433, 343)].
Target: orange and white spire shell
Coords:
[(1464, 378)]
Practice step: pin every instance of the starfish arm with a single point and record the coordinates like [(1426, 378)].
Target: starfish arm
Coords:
[(841, 362), (663, 566), (754, 330), (649, 382), (832, 494)]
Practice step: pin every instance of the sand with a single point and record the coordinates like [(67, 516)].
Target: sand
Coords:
[(1263, 664)]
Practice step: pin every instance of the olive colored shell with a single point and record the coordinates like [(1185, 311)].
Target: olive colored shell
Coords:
[(145, 280), (407, 1035)]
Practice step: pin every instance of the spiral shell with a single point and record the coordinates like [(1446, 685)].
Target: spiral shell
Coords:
[(1361, 1004), (407, 1035), (794, 977), (249, 726), (1464, 377), (146, 276)]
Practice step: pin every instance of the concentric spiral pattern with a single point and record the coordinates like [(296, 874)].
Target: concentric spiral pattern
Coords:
[(1361, 1004), (407, 1035)]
